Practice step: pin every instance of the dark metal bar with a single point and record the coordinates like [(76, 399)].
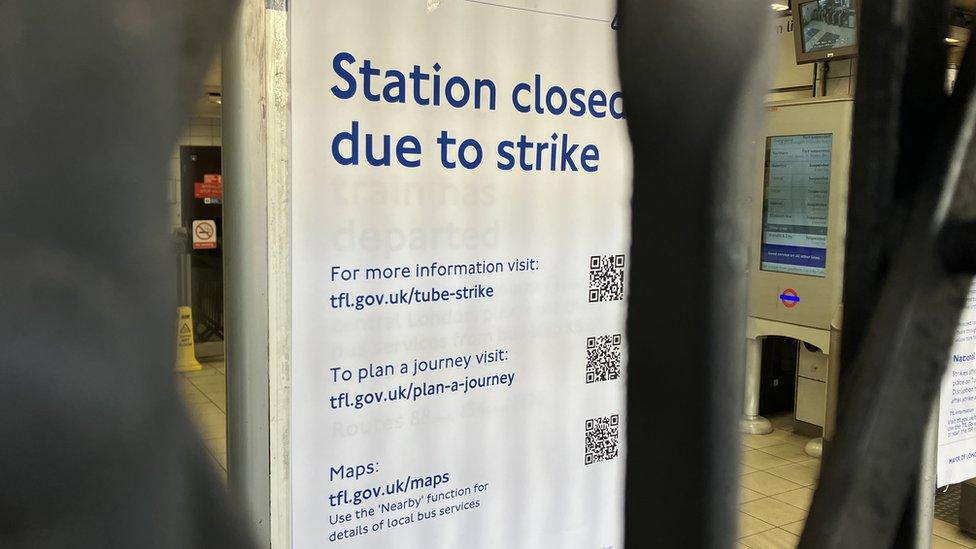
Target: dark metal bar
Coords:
[(97, 450), (913, 156), (692, 78), (914, 72)]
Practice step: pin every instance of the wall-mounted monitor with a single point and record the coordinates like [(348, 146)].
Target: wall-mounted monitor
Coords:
[(796, 199), (799, 213), (825, 29)]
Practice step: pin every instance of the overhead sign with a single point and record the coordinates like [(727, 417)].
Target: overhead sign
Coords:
[(957, 404), (461, 185), (204, 234)]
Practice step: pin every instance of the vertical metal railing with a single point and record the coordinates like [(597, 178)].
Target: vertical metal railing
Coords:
[(692, 78), (912, 161), (913, 172)]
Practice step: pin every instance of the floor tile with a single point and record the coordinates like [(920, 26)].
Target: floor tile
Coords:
[(804, 474), (215, 431), (942, 543), (952, 533), (192, 395), (773, 511), (771, 539), (762, 441), (218, 449), (208, 422), (746, 495), (745, 469), (759, 459), (787, 451), (795, 527), (794, 439), (767, 484), (214, 462), (205, 393), (217, 445), (202, 374), (749, 525), (210, 384), (782, 421), (800, 498), (218, 397), (204, 408)]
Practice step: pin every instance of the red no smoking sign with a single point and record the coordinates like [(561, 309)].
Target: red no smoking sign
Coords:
[(204, 234)]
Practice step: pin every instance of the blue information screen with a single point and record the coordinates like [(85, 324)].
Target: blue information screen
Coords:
[(796, 197)]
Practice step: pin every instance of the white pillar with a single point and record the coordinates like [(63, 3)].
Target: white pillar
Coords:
[(751, 422), (256, 264)]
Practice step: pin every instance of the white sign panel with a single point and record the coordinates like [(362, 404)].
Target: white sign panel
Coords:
[(204, 234), (461, 180), (957, 404)]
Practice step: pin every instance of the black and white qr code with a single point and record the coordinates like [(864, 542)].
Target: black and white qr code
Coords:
[(602, 439), (603, 358), (606, 278)]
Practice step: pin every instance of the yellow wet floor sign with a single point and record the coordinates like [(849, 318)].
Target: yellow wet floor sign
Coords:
[(186, 359)]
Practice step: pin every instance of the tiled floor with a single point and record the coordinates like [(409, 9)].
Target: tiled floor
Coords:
[(776, 488), (205, 393), (777, 485)]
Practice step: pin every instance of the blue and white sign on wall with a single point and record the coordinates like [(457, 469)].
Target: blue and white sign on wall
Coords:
[(461, 184)]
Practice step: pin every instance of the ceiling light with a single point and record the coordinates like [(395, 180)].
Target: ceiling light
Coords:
[(950, 40), (779, 7), (214, 98)]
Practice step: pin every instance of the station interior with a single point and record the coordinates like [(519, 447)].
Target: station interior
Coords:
[(784, 422), (791, 375)]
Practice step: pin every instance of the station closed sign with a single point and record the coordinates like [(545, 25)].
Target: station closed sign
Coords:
[(461, 178)]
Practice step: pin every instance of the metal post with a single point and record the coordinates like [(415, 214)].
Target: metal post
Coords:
[(695, 140), (246, 267), (106, 454), (184, 289), (184, 280), (753, 423), (912, 159), (925, 507)]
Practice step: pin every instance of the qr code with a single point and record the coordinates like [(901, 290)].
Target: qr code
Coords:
[(603, 358), (606, 278), (602, 439)]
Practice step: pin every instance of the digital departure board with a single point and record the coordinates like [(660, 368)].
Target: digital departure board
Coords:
[(796, 193)]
